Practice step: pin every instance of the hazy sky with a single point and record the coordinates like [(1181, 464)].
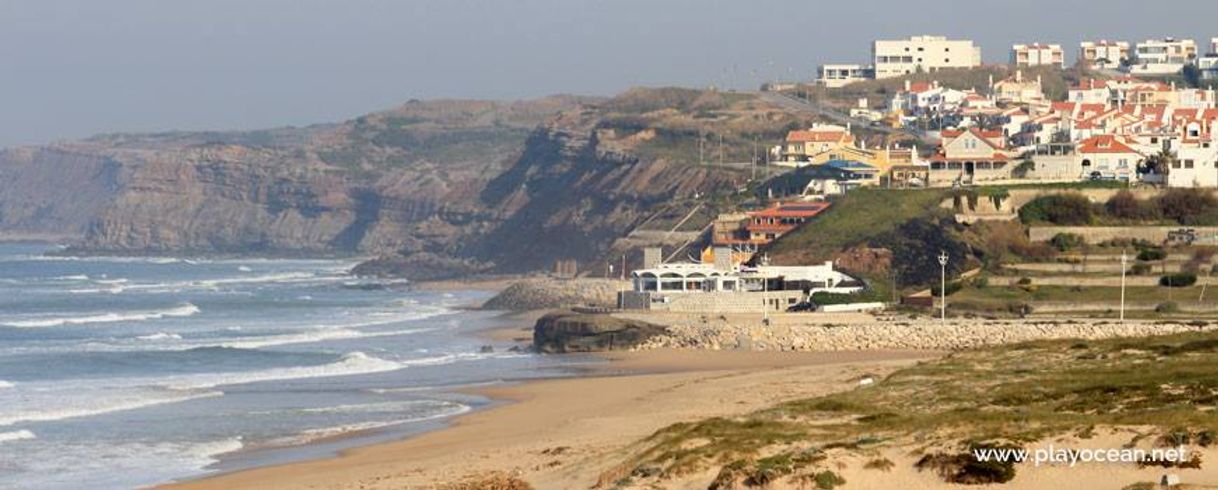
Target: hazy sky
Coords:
[(71, 68)]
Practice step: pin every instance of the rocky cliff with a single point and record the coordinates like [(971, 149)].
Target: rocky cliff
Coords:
[(430, 187)]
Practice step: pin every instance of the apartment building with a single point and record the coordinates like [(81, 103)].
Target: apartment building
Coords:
[(1208, 64), (1163, 56), (894, 58), (1103, 54), (1037, 54)]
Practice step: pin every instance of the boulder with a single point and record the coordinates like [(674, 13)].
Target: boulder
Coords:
[(563, 332)]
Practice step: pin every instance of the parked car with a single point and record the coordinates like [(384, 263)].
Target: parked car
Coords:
[(802, 306)]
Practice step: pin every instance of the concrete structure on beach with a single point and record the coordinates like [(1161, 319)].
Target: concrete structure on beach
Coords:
[(721, 286)]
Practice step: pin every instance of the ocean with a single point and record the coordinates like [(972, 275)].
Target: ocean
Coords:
[(128, 372)]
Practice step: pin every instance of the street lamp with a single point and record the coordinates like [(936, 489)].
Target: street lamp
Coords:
[(943, 286), (1123, 259)]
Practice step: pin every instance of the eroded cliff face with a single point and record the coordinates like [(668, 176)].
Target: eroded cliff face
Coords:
[(52, 192), (567, 197), (460, 186)]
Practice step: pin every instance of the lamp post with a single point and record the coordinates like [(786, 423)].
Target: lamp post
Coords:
[(943, 286), (1123, 259)]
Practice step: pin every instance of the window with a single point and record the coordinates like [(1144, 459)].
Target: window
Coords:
[(920, 49), (1188, 164)]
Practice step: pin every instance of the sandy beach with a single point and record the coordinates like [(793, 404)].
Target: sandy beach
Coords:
[(563, 433)]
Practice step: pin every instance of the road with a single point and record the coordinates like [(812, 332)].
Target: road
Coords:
[(800, 105)]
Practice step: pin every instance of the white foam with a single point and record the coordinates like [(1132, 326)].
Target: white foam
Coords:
[(20, 435), (244, 268), (5, 384), (77, 277), (110, 281), (160, 336), (350, 364), (112, 290), (75, 403), (312, 435), (131, 316), (311, 336)]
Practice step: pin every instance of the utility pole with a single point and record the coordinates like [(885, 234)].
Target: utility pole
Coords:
[(1124, 258), (943, 287), (720, 149), (702, 139)]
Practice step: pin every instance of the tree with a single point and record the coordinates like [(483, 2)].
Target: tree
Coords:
[(1159, 163)]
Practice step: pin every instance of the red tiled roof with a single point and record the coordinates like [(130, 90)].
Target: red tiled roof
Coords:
[(792, 210), (996, 157), (1104, 143), (817, 136)]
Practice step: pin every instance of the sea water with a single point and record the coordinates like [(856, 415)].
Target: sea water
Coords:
[(127, 372)]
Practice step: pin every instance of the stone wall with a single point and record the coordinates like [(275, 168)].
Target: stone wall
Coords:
[(1099, 234), (921, 334)]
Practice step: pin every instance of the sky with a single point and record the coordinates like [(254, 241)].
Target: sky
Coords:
[(74, 68)]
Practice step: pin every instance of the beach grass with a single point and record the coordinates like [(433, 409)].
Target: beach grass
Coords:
[(1014, 394)]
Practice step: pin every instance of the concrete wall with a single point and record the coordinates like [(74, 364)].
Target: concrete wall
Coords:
[(718, 302), (1098, 234)]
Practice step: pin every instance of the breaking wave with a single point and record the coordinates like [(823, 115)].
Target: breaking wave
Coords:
[(134, 316)]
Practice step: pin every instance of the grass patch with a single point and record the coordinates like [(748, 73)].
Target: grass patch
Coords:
[(968, 398), (857, 217)]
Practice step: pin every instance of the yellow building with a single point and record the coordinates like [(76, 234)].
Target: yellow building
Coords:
[(826, 142)]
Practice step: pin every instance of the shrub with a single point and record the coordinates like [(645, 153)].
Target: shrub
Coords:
[(1178, 280), (1124, 205), (981, 282), (1059, 209), (1139, 269), (1024, 281), (1167, 307), (1188, 206), (882, 464), (828, 480), (965, 468), (1151, 254), (1066, 241), (952, 287)]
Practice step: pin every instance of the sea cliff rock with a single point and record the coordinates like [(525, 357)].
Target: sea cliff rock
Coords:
[(574, 332), (548, 293), (475, 186)]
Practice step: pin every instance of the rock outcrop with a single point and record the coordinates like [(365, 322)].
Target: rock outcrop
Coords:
[(547, 293), (574, 332)]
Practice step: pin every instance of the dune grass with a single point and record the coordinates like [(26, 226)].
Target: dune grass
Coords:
[(1012, 394)]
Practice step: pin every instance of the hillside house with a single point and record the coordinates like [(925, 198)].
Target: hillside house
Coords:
[(1108, 157), (775, 221), (970, 156)]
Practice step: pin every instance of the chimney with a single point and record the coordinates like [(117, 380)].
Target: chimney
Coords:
[(652, 257)]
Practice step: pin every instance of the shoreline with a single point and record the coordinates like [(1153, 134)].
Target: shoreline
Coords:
[(555, 432)]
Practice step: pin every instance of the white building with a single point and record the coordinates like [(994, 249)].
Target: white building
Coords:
[(1208, 64), (1196, 165), (1162, 56), (839, 74), (723, 286), (1103, 54), (1037, 54), (707, 278), (894, 58)]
